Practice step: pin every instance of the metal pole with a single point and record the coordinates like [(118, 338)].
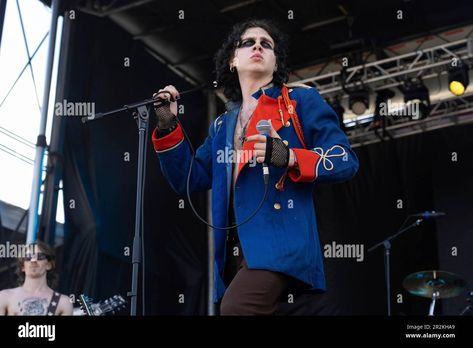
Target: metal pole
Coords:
[(47, 227), (211, 112), (435, 296), (41, 141), (3, 6), (137, 252)]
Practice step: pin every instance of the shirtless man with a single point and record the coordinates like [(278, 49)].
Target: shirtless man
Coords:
[(34, 295)]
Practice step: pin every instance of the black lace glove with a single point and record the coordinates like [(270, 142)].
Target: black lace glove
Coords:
[(165, 119), (277, 153)]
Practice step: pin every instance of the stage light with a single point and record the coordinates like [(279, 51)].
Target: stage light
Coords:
[(458, 78), (456, 88), (416, 98), (359, 101)]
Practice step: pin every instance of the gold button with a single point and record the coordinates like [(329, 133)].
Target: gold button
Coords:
[(285, 142), (287, 124), (277, 206)]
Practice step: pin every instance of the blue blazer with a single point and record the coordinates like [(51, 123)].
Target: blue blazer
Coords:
[(283, 235)]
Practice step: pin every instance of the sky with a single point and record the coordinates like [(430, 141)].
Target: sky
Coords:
[(20, 112)]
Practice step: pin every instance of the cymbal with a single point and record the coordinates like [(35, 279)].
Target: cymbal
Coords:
[(426, 283)]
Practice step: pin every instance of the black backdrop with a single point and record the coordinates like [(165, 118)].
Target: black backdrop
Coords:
[(100, 176), (416, 171)]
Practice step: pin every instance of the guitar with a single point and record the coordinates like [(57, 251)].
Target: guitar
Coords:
[(111, 305)]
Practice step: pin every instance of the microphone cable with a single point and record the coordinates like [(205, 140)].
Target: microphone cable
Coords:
[(189, 173)]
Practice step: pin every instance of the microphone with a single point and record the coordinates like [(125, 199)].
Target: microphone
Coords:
[(429, 214), (264, 128)]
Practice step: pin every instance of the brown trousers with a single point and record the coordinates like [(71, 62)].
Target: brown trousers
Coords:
[(250, 291)]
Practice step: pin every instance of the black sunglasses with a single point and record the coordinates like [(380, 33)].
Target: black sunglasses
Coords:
[(38, 256), (250, 43)]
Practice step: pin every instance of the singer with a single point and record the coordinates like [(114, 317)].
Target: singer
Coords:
[(279, 247)]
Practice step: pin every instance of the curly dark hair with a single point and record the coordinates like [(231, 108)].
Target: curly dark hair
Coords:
[(229, 80), (51, 275)]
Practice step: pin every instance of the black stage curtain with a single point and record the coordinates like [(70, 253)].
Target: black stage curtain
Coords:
[(430, 171), (109, 68), (396, 178)]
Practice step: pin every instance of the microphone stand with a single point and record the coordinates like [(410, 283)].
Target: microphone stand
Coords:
[(136, 105), (387, 253), (141, 114)]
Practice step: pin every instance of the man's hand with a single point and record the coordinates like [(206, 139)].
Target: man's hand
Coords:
[(261, 145), (166, 113)]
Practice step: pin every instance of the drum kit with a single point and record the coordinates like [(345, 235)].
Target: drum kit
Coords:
[(434, 285)]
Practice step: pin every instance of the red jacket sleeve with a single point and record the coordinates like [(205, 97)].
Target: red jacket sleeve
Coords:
[(306, 165), (169, 141)]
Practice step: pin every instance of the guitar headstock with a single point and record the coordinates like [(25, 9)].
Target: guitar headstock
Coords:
[(112, 305), (86, 304)]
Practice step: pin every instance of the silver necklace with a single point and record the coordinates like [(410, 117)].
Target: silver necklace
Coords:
[(242, 136)]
